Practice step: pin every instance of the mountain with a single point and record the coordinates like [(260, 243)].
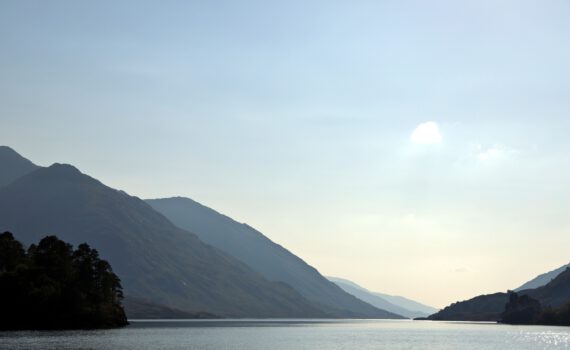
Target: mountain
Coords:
[(264, 256), (555, 293), (396, 304), (546, 305), (542, 279), (487, 307), (490, 307), (155, 260), (408, 304), (13, 166)]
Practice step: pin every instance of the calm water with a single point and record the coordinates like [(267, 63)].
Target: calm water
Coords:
[(288, 334)]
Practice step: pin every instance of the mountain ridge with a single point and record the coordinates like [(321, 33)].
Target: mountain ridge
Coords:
[(145, 248), (260, 253), (14, 166), (489, 307), (392, 303), (542, 279)]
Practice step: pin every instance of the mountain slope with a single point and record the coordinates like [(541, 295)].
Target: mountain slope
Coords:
[(384, 301), (555, 293), (490, 307), (408, 304), (481, 308), (542, 279), (13, 166), (156, 260), (142, 309), (264, 256)]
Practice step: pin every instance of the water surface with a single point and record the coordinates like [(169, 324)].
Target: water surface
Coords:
[(296, 334)]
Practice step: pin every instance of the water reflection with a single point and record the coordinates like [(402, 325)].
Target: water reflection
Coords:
[(295, 334)]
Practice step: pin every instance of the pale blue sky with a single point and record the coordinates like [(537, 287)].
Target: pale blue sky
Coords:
[(297, 116)]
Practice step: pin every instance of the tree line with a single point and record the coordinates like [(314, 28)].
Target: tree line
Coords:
[(522, 309), (51, 285)]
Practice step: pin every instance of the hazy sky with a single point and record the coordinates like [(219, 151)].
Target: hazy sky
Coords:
[(419, 148)]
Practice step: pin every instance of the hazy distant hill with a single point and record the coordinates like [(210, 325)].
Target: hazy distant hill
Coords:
[(156, 260), (13, 166), (489, 307), (396, 304), (542, 279), (264, 256)]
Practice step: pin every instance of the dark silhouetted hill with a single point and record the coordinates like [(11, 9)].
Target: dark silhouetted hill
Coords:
[(554, 294), (481, 308), (523, 309), (155, 260), (264, 256), (542, 279)]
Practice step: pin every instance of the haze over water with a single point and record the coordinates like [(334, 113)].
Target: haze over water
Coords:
[(295, 335)]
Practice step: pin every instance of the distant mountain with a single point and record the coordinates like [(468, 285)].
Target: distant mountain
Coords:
[(264, 256), (542, 279), (13, 166), (408, 304), (490, 307), (155, 260), (396, 304)]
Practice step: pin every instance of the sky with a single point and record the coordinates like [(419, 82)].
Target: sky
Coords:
[(417, 148)]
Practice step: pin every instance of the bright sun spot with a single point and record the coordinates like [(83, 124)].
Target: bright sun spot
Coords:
[(426, 133)]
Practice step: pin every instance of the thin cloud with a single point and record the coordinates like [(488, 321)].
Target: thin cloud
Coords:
[(426, 133), (496, 151)]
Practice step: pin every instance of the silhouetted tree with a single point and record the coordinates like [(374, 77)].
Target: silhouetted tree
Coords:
[(54, 286), (12, 252), (560, 316), (521, 310)]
